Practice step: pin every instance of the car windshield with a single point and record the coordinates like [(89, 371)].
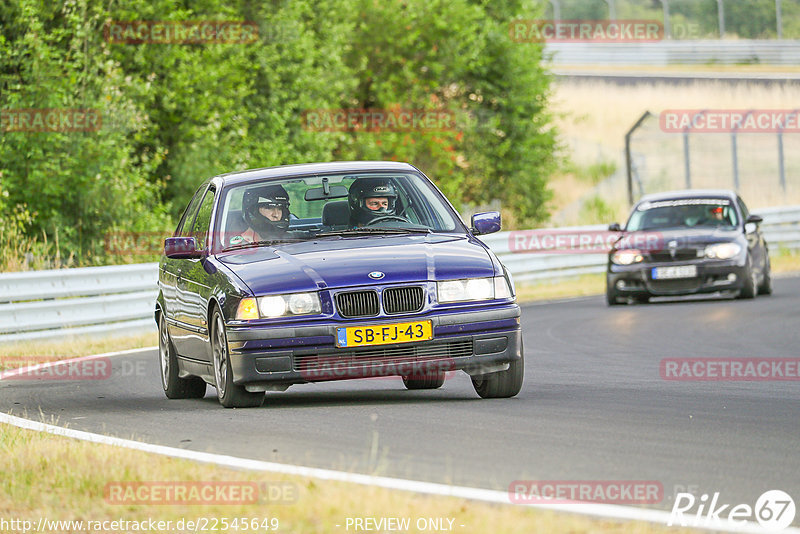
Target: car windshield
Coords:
[(683, 213), (302, 208)]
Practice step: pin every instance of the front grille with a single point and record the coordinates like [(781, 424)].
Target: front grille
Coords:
[(674, 286), (685, 254), (357, 303), (403, 299), (382, 357)]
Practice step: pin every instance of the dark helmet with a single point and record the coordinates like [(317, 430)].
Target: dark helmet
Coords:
[(363, 188), (269, 196)]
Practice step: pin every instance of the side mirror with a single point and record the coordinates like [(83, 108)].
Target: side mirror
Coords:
[(486, 223), (184, 248), (614, 227), (757, 219)]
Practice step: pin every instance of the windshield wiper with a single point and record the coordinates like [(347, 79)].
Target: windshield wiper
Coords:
[(374, 231), (267, 242)]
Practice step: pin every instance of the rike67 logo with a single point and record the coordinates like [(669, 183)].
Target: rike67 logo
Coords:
[(774, 510)]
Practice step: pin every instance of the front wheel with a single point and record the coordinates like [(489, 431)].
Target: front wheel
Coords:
[(503, 384), (612, 297), (750, 286), (765, 288), (229, 394), (174, 386)]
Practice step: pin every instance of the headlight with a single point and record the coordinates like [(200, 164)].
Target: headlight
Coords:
[(723, 251), (473, 289), (279, 305), (627, 257)]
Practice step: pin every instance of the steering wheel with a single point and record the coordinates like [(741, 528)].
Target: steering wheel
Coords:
[(387, 218)]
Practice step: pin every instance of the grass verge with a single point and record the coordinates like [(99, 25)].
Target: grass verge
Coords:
[(31, 352), (58, 478)]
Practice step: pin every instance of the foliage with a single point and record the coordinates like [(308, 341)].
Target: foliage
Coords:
[(175, 114)]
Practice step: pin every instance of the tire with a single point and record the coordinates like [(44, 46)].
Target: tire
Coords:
[(503, 384), (229, 394), (749, 288), (612, 298), (765, 288), (175, 387), (433, 380)]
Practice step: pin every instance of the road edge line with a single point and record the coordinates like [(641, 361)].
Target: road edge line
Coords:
[(609, 511)]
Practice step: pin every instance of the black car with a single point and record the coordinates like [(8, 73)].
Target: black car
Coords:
[(688, 242)]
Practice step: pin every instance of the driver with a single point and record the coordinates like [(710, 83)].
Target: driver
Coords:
[(266, 212), (370, 199)]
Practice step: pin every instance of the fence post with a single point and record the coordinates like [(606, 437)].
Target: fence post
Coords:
[(628, 161), (781, 167)]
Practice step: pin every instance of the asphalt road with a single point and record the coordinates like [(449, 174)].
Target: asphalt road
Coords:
[(593, 407)]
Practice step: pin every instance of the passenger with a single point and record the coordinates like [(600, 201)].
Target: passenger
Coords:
[(266, 212)]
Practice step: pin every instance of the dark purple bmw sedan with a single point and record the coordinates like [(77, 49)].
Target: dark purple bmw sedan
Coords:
[(331, 271)]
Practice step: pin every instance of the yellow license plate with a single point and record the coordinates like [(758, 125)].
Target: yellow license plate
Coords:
[(383, 334)]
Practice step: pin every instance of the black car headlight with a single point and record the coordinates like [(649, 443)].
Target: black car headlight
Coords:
[(627, 256), (723, 251)]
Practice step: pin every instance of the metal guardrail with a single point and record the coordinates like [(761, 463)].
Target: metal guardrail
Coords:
[(781, 229), (87, 300), (674, 52), (39, 305)]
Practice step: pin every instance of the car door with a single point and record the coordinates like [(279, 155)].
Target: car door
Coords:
[(755, 239), (194, 286), (170, 268)]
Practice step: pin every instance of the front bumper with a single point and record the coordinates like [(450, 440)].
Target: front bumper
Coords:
[(712, 276), (477, 342)]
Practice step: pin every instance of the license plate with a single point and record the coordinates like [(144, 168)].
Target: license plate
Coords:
[(383, 334), (674, 271)]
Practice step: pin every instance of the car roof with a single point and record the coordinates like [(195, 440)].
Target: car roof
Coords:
[(689, 193), (304, 169)]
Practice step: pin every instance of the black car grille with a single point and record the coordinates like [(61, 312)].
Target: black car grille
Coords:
[(403, 299), (674, 286), (357, 303), (382, 356), (680, 255)]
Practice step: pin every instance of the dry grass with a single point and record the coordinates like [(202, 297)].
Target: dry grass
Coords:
[(32, 352), (594, 116), (60, 478)]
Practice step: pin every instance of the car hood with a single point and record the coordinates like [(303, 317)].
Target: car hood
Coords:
[(348, 261), (683, 238)]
